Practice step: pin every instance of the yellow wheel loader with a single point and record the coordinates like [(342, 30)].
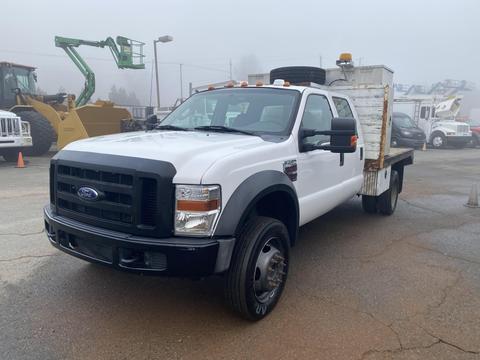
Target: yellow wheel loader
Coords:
[(62, 117)]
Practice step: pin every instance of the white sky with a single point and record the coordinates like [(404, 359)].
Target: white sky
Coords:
[(423, 41)]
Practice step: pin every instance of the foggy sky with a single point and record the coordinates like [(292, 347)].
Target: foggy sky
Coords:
[(422, 41)]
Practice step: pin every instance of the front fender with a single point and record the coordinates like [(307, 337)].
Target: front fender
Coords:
[(248, 193)]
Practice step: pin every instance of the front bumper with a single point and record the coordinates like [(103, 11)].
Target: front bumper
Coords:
[(459, 139), (190, 257), (17, 141), (411, 143)]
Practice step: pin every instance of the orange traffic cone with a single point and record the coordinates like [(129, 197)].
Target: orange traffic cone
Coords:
[(20, 162)]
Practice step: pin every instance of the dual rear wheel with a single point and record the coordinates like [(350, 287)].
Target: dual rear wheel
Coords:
[(385, 203)]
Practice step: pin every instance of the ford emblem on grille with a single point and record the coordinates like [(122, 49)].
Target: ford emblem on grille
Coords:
[(87, 193)]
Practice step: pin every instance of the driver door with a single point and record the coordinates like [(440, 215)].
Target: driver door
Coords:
[(318, 170)]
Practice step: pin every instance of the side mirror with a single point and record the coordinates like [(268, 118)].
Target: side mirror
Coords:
[(151, 122), (343, 136)]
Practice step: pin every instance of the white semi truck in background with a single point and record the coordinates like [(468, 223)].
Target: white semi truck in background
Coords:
[(436, 116), (14, 135)]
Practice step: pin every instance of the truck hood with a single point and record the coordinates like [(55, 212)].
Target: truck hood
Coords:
[(190, 152)]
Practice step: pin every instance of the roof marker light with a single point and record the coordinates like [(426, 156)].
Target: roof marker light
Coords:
[(211, 87), (259, 83), (244, 84), (229, 85), (286, 84)]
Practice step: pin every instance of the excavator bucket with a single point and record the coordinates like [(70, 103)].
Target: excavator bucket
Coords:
[(101, 118)]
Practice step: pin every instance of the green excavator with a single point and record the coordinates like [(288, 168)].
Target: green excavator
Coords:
[(64, 117)]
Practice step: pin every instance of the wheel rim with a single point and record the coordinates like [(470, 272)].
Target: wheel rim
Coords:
[(269, 271), (437, 141)]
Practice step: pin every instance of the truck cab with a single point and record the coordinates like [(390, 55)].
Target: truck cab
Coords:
[(223, 183)]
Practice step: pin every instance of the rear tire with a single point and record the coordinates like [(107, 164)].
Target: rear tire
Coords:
[(299, 74), (369, 204), (259, 268), (387, 202), (42, 133)]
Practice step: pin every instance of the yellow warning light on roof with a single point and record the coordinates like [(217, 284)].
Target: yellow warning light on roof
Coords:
[(229, 85), (244, 84), (259, 83), (347, 57)]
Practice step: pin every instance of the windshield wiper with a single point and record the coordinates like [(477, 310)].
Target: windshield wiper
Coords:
[(170, 127), (220, 128)]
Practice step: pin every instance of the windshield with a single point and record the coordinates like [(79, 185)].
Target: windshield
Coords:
[(475, 123), (256, 110), (404, 121), (25, 80)]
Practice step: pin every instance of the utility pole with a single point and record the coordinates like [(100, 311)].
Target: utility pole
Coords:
[(156, 74), (320, 60), (181, 82), (162, 39)]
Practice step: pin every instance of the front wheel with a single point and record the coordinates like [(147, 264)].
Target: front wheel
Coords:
[(42, 133), (259, 268), (10, 155), (438, 141)]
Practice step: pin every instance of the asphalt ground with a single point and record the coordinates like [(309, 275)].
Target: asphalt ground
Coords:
[(360, 286)]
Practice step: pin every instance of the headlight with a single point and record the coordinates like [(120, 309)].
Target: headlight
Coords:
[(196, 209), (406, 133)]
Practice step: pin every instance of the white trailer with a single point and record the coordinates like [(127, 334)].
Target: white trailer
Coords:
[(14, 135)]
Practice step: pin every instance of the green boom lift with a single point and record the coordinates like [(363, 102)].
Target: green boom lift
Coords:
[(128, 55)]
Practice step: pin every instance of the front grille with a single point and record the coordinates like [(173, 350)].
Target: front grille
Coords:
[(9, 127), (462, 128), (116, 189), (133, 201)]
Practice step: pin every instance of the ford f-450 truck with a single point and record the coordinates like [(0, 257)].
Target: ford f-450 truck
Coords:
[(223, 183)]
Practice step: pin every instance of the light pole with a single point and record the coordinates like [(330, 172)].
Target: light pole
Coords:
[(162, 39)]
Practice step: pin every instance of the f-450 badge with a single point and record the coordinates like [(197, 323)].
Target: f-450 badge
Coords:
[(290, 169)]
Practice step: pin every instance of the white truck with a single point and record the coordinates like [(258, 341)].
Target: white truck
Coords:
[(14, 135), (223, 183), (435, 115)]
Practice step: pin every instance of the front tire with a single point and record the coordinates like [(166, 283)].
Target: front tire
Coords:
[(438, 140), (259, 268), (42, 133), (11, 155)]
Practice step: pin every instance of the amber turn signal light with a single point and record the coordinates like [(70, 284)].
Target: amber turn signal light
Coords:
[(195, 205)]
